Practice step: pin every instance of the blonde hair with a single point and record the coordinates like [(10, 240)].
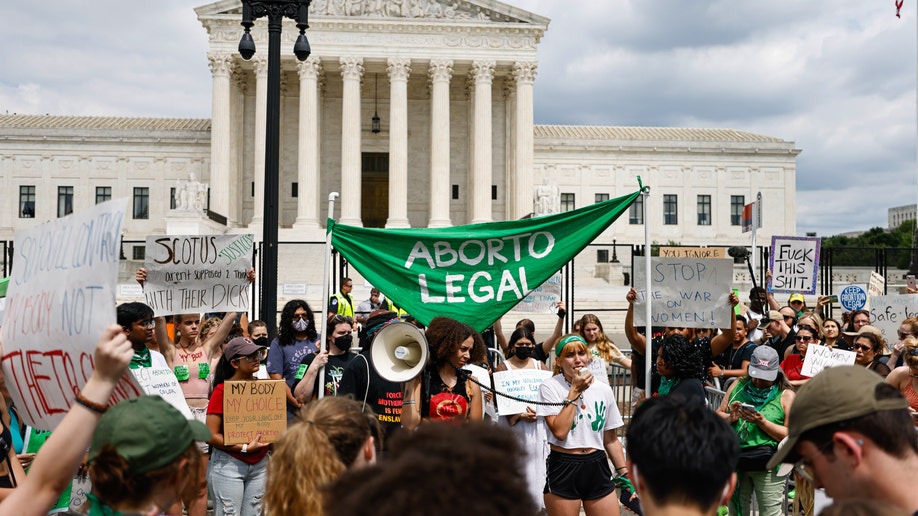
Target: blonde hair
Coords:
[(604, 344), (208, 324), (910, 343), (324, 441), (571, 347)]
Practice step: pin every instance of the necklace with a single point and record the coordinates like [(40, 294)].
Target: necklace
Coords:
[(579, 396)]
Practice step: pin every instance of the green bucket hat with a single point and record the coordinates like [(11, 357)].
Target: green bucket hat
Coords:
[(147, 432)]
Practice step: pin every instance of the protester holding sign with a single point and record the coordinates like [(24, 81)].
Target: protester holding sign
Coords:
[(908, 328), (905, 378), (544, 349), (794, 361), (869, 347), (440, 392), (236, 473), (11, 472), (296, 338), (681, 364), (528, 427), (333, 359)]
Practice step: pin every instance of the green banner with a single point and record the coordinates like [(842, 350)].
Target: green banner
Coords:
[(4, 282), (473, 273)]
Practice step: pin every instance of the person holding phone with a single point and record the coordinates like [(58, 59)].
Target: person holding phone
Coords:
[(756, 406)]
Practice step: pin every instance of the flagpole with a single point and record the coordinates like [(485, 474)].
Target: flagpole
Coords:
[(648, 328), (326, 289)]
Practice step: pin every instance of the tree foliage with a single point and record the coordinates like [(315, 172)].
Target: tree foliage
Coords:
[(864, 249)]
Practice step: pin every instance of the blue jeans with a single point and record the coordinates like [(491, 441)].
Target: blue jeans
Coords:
[(237, 487)]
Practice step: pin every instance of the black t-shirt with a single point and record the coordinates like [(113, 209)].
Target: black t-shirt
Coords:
[(781, 345), (733, 358), (383, 397), (334, 370), (688, 389), (637, 366)]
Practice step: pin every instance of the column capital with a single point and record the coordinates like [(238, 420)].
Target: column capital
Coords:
[(260, 63), (440, 70), (240, 79), (310, 68), (524, 71), (483, 71), (398, 69), (220, 64), (351, 67)]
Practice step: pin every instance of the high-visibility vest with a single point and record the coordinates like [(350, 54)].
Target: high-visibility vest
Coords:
[(345, 307)]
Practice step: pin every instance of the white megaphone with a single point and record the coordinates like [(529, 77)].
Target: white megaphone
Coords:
[(399, 352)]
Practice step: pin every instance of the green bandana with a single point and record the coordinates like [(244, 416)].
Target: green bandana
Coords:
[(142, 358), (565, 341), (760, 397), (666, 385)]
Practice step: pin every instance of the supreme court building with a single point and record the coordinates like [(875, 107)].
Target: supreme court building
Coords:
[(451, 82)]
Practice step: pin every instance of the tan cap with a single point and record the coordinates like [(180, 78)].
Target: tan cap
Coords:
[(865, 329), (836, 394)]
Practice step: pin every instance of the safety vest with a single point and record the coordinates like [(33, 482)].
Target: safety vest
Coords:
[(345, 307), (392, 308)]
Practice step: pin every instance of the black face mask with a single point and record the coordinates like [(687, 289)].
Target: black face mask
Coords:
[(523, 352), (344, 342), (261, 341)]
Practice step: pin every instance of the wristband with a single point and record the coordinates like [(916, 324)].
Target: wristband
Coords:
[(93, 406), (245, 448)]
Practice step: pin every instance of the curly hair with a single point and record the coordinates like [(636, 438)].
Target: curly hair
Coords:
[(325, 440), (208, 324), (603, 343), (115, 483), (285, 332), (877, 344), (684, 357), (445, 335)]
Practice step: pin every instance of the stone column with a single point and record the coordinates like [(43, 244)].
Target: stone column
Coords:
[(480, 180), (521, 175), (307, 204), (351, 72), (221, 66), (440, 72), (261, 107), (398, 71)]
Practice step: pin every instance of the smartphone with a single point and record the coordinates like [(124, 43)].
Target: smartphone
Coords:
[(747, 407), (910, 281), (833, 298)]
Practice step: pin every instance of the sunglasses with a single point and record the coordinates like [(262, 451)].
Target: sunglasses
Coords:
[(902, 335), (803, 338), (861, 347), (255, 357)]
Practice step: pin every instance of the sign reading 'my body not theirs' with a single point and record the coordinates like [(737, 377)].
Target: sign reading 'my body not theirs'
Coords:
[(61, 297), (198, 273), (793, 262), (686, 292)]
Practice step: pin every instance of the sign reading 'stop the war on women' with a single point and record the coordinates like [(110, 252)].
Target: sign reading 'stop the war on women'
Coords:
[(685, 292), (198, 273)]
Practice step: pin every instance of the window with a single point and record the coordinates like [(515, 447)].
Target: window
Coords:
[(294, 190), (64, 200), (737, 202), (455, 191), (103, 194), (670, 210), (602, 255), (27, 202), (493, 192), (141, 202), (567, 202), (636, 211), (704, 210), (602, 197), (138, 252), (172, 202)]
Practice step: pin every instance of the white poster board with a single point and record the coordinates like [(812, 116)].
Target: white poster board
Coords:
[(544, 298), (161, 381), (481, 374), (888, 312), (686, 292), (61, 297), (520, 383), (820, 357), (198, 273), (794, 264)]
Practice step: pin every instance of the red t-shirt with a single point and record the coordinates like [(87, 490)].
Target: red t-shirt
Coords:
[(792, 366), (215, 406)]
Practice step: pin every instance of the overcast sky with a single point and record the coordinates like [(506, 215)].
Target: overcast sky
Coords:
[(837, 78)]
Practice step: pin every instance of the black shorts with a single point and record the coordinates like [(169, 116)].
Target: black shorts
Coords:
[(579, 476)]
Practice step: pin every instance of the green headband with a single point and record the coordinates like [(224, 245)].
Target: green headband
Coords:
[(565, 341)]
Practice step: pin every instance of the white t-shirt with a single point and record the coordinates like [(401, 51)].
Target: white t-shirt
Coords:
[(157, 359), (600, 412)]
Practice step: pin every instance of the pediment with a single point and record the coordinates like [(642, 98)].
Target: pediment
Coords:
[(456, 10)]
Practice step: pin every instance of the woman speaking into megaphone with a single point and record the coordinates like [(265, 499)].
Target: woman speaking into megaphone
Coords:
[(441, 392)]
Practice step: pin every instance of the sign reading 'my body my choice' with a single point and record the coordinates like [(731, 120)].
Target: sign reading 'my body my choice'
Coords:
[(685, 292), (198, 273), (60, 298)]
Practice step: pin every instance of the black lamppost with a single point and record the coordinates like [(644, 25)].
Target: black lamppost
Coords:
[(276, 11)]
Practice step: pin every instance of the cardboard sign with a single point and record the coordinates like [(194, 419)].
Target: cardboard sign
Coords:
[(161, 381), (876, 285), (252, 407), (544, 298), (888, 313), (198, 273), (520, 383), (820, 357), (794, 263), (60, 298), (692, 252), (688, 293)]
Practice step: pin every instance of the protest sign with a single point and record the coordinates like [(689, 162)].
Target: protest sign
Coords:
[(794, 263), (888, 313), (519, 383), (876, 285), (161, 381), (685, 292), (61, 297), (252, 407), (820, 357), (484, 378), (692, 252), (198, 273), (544, 298), (474, 273), (852, 297)]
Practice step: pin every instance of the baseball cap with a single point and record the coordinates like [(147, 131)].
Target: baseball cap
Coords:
[(795, 297), (836, 394), (240, 347), (764, 363), (865, 329), (147, 432), (772, 315)]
